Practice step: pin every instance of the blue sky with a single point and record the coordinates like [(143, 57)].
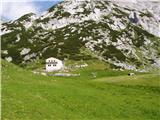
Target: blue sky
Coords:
[(13, 9)]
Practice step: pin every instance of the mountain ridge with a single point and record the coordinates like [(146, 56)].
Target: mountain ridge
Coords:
[(71, 28)]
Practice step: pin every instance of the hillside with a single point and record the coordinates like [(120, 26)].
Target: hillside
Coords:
[(125, 36), (111, 96)]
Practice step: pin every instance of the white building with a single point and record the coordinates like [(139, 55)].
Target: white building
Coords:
[(53, 64)]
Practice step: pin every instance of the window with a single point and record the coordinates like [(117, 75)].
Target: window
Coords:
[(49, 65)]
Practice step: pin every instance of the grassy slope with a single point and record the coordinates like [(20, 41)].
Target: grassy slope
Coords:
[(26, 96)]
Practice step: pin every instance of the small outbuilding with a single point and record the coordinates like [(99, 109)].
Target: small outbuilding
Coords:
[(53, 64), (131, 74)]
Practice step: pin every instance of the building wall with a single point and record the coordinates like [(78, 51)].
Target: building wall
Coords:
[(53, 64)]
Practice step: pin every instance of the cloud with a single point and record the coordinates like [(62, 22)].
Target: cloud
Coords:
[(15, 9), (29, 0)]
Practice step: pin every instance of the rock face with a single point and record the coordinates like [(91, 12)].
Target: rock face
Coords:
[(127, 36)]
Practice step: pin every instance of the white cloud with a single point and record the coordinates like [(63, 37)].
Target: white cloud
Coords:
[(13, 10), (26, 0)]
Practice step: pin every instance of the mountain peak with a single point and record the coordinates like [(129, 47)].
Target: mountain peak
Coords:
[(119, 35)]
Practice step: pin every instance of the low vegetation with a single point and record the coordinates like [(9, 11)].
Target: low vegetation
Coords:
[(111, 95)]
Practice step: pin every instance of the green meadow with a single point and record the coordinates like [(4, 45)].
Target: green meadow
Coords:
[(111, 95)]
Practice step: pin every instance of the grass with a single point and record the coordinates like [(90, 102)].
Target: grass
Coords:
[(27, 96), (152, 80)]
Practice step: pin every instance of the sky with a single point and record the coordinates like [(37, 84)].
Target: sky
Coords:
[(13, 9)]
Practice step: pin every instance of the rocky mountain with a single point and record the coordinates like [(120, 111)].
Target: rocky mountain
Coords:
[(124, 35)]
